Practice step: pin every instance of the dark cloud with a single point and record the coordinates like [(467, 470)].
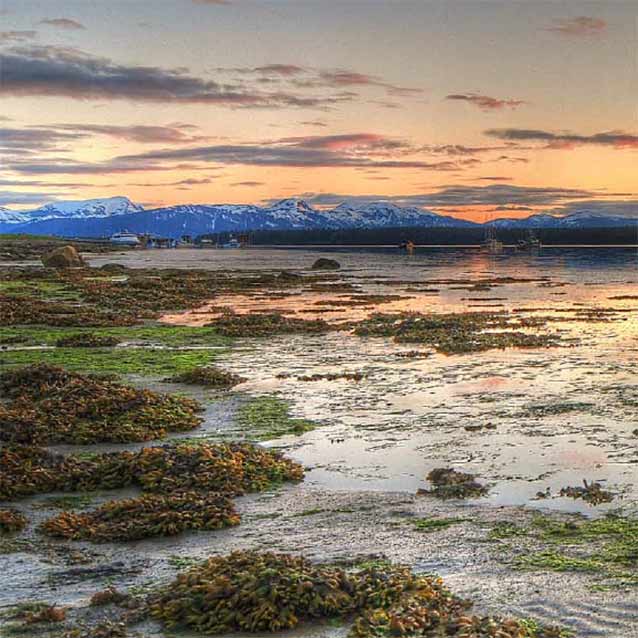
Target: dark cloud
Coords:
[(492, 178), (581, 26), (64, 23), (468, 196), (16, 140), (65, 72), (16, 36), (350, 151), (485, 102), (616, 139)]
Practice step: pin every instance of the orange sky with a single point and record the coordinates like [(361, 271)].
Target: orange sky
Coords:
[(479, 110)]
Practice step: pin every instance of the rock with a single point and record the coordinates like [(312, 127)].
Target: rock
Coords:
[(326, 264), (64, 257), (286, 275), (113, 268)]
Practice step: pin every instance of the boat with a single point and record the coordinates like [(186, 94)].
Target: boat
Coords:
[(231, 243), (491, 244), (530, 243), (125, 239)]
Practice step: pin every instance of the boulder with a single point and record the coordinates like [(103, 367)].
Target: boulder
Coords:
[(64, 257), (326, 264)]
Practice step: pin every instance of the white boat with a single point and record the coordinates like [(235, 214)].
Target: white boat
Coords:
[(125, 239)]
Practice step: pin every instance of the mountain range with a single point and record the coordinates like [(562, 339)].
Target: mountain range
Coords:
[(103, 217)]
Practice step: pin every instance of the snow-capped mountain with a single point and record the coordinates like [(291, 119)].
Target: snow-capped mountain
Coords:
[(385, 214), (103, 217), (581, 219), (8, 216), (103, 207), (100, 218)]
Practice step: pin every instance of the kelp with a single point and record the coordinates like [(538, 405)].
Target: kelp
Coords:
[(265, 324), (248, 591), (87, 340), (12, 521), (47, 404), (448, 483), (208, 376), (146, 516), (233, 468), (456, 333)]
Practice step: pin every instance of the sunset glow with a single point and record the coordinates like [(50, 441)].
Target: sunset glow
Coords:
[(471, 109)]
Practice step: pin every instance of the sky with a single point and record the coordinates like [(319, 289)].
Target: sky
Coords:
[(473, 108)]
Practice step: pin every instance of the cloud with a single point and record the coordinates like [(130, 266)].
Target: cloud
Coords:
[(138, 133), (16, 140), (485, 102), (19, 199), (16, 36), (463, 196), (615, 139), (280, 69), (343, 78), (67, 72), (211, 2), (581, 26), (182, 182), (313, 123), (621, 208), (353, 150), (248, 184), (64, 23), (492, 178)]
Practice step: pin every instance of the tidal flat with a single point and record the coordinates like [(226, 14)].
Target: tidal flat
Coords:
[(350, 388)]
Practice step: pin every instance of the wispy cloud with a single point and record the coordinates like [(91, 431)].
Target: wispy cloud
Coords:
[(248, 184), (580, 26), (175, 134), (16, 36), (66, 72), (485, 102), (616, 139), (64, 23), (353, 150)]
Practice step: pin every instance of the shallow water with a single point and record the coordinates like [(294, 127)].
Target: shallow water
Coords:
[(408, 416)]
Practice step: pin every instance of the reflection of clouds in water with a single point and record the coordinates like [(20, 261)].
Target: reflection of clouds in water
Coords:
[(409, 415)]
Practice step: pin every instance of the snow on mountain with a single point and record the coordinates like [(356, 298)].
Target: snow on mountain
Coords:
[(8, 216), (103, 217), (581, 219), (380, 214), (103, 207)]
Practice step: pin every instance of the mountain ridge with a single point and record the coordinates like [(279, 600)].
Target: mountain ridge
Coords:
[(102, 217)]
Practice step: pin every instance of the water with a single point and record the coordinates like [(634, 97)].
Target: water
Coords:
[(408, 416)]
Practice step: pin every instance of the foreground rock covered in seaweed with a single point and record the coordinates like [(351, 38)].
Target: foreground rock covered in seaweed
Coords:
[(233, 468), (47, 404), (255, 592)]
